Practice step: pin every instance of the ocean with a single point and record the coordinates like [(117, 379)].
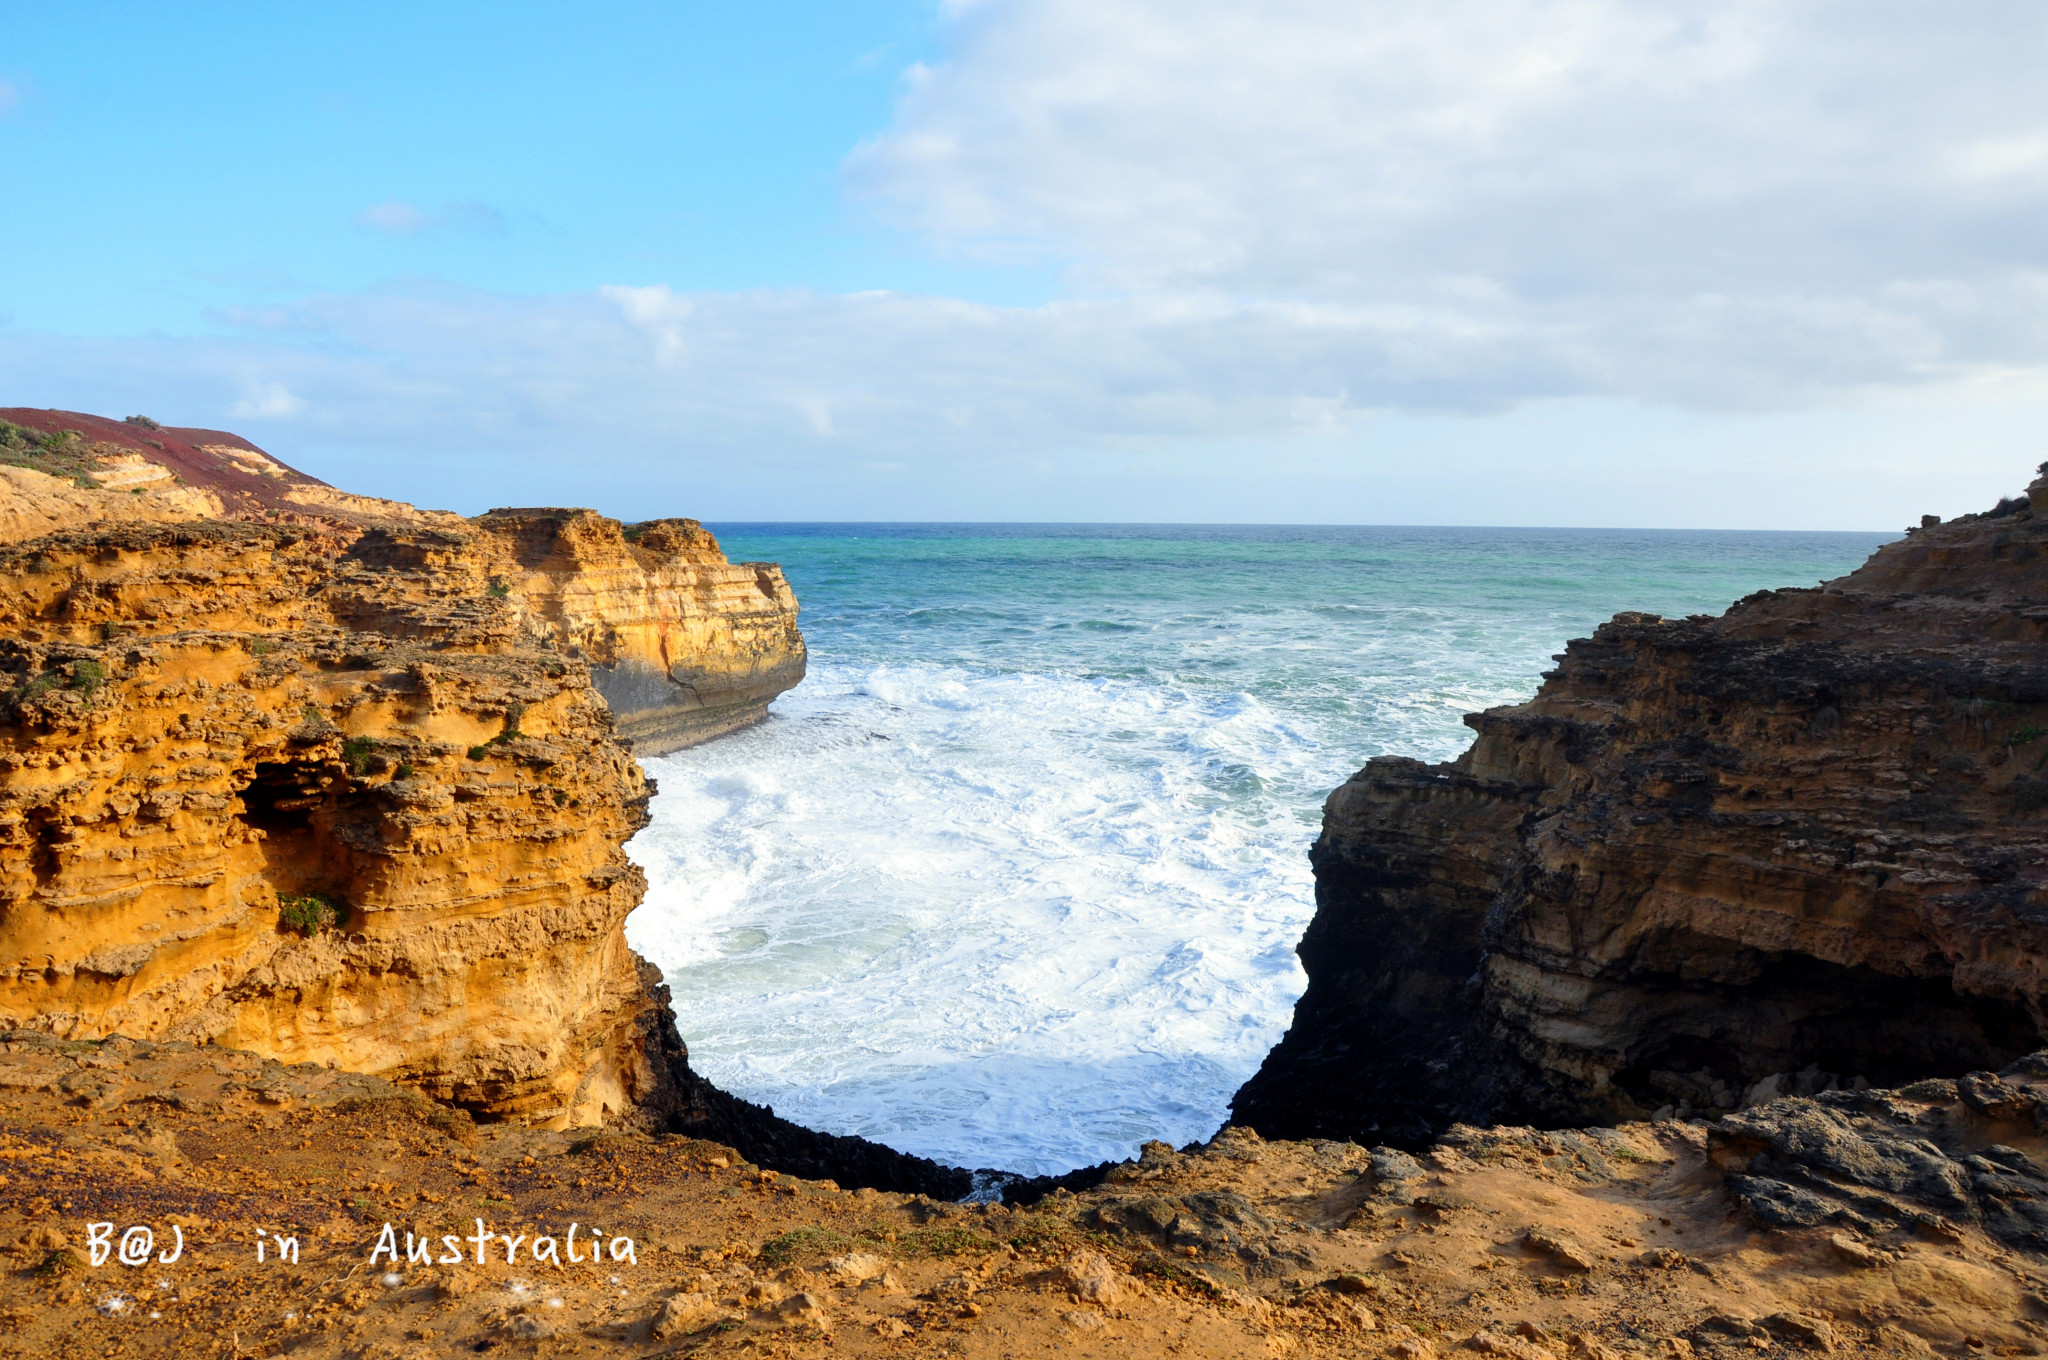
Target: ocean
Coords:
[(1014, 878)]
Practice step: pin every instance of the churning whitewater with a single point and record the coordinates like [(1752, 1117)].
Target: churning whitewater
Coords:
[(1014, 878)]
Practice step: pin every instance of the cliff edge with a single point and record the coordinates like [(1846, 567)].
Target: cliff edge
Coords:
[(338, 781), (1797, 847)]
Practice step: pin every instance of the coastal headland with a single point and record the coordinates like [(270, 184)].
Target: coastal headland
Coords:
[(1692, 1012)]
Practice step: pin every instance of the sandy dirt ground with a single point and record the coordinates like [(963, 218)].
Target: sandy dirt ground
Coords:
[(265, 1191)]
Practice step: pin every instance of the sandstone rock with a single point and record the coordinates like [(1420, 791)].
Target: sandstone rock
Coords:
[(1801, 1330), (1561, 1248), (1899, 1341), (682, 644), (1856, 1253), (1412, 1348), (1090, 1278), (857, 1267), (682, 1314), (1709, 852), (1514, 1348), (528, 1327)]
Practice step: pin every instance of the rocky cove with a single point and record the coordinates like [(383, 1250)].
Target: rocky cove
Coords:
[(1688, 1012)]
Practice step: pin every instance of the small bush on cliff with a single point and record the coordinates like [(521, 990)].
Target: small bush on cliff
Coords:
[(144, 421), (356, 753), (86, 676), (404, 771), (310, 914), (498, 590)]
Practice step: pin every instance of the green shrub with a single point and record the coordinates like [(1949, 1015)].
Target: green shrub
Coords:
[(498, 590), (479, 752), (944, 1242), (2024, 735), (144, 421), (356, 753), (807, 1242), (87, 676), (310, 914), (404, 771)]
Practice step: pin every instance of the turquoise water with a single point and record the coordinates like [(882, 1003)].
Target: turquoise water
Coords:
[(1014, 878)]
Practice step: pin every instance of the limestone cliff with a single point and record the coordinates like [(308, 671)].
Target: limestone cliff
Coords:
[(230, 812), (683, 644), (1784, 849), (330, 779)]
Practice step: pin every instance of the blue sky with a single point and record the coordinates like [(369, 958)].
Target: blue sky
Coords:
[(1490, 261)]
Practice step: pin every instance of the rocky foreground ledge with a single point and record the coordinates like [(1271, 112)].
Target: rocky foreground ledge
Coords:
[(1904, 1223)]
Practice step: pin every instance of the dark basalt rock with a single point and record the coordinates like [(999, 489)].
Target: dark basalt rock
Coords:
[(1712, 859), (1883, 1160)]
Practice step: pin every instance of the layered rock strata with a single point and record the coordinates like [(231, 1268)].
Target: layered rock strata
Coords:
[(1800, 844), (683, 645), (230, 812), (328, 778)]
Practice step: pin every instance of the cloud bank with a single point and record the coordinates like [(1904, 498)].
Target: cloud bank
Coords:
[(1285, 228)]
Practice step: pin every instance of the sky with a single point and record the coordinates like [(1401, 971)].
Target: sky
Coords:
[(1762, 264)]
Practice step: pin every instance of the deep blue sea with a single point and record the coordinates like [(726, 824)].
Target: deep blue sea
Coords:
[(1014, 878)]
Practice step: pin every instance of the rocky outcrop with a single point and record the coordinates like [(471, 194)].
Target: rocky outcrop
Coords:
[(1800, 844), (230, 812), (337, 781), (683, 645)]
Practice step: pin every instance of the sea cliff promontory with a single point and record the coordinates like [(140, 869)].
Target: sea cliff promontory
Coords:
[(330, 779), (1797, 847)]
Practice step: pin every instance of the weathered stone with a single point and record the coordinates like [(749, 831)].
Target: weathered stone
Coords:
[(1797, 843)]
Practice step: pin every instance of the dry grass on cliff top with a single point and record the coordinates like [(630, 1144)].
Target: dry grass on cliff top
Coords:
[(1514, 1243)]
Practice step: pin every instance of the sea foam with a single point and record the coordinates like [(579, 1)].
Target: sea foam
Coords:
[(1014, 878)]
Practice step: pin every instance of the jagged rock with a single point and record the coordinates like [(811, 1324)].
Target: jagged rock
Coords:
[(1218, 1218), (1875, 1159), (1790, 849)]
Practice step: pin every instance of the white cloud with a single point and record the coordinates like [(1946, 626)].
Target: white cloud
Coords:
[(396, 217), (1745, 204), (1295, 235), (267, 401)]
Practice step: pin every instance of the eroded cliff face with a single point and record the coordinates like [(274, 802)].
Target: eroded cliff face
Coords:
[(684, 645), (1713, 859), (231, 812), (330, 779)]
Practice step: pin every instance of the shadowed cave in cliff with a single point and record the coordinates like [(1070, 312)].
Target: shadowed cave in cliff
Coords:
[(1835, 1024), (281, 800)]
